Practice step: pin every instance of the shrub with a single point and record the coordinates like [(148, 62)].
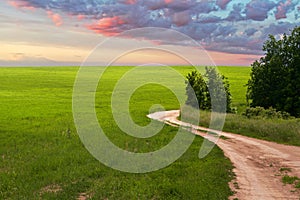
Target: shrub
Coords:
[(270, 113)]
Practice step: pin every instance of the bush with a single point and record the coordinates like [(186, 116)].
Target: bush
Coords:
[(270, 113)]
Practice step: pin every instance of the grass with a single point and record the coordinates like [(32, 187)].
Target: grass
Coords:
[(289, 179), (292, 180), (285, 169), (238, 78), (42, 157), (276, 130)]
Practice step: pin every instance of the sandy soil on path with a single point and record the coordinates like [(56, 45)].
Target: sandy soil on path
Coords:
[(257, 162)]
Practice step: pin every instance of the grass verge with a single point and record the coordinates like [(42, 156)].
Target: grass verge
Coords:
[(276, 130)]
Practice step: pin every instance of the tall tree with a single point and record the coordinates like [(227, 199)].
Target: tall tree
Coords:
[(218, 85), (275, 78)]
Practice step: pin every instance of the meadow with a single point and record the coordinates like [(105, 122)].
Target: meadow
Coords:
[(42, 156)]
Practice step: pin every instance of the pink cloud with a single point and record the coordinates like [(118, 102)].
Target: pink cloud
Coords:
[(107, 26), (168, 1), (80, 17), (282, 9), (56, 18), (21, 4), (130, 2)]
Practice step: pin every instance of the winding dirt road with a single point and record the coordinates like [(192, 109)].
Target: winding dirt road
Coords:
[(259, 165)]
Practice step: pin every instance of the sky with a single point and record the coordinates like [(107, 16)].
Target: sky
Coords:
[(64, 32)]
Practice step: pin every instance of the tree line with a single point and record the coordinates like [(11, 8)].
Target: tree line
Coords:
[(274, 80)]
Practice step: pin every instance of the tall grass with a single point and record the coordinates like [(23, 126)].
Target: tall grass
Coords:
[(285, 131)]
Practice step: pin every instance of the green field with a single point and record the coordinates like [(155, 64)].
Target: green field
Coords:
[(238, 78), (42, 156)]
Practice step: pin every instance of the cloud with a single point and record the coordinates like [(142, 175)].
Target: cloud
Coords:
[(56, 18), (250, 31), (156, 4), (107, 26), (209, 19), (17, 56), (238, 26), (181, 18), (179, 5), (282, 9), (278, 28), (81, 17), (236, 13), (21, 59), (222, 3), (258, 10), (21, 4)]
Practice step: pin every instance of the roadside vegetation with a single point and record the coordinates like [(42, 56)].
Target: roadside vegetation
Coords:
[(272, 94), (285, 131)]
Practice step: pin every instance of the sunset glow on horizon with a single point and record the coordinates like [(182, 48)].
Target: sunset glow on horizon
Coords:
[(50, 32)]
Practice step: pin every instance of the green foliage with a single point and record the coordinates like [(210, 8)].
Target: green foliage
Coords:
[(270, 113), (274, 80), (237, 76), (293, 180), (210, 94), (197, 91), (285, 169), (219, 90), (289, 179)]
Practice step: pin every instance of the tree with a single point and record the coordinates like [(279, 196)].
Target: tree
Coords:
[(201, 91), (275, 78), (197, 91), (219, 90)]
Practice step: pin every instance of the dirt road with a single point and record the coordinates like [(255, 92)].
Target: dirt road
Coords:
[(259, 165)]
